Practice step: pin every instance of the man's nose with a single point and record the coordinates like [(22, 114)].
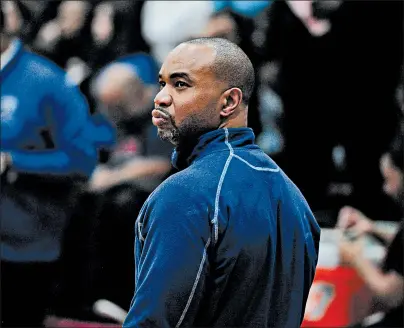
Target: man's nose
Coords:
[(163, 99)]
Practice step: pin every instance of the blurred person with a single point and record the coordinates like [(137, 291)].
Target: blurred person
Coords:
[(217, 234), (137, 163), (182, 21), (125, 91), (67, 35), (338, 71), (116, 31), (113, 31), (45, 157), (99, 242), (386, 283), (222, 25), (35, 14)]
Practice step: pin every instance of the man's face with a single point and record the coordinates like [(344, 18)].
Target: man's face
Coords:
[(188, 102), (393, 178)]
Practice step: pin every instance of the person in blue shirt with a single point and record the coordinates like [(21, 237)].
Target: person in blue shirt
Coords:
[(44, 152), (229, 240)]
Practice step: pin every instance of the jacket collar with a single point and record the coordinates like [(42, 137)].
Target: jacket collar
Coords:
[(8, 57), (217, 140)]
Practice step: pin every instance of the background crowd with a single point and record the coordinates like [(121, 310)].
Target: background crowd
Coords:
[(326, 107)]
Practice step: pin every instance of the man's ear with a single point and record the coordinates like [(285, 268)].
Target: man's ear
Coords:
[(231, 99)]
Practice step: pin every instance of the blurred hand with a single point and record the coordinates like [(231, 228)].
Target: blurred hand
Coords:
[(12, 20), (102, 25), (349, 250), (353, 219), (101, 180), (49, 33), (304, 11), (71, 17), (5, 161)]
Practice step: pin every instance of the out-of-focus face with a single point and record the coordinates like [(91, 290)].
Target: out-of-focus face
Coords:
[(123, 95), (188, 102), (393, 178), (222, 26)]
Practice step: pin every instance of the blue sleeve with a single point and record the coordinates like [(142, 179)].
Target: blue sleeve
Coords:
[(171, 262), (68, 116), (246, 8), (101, 131)]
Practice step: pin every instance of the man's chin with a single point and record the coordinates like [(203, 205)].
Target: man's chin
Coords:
[(168, 136)]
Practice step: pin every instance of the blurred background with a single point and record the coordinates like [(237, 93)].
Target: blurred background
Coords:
[(327, 106)]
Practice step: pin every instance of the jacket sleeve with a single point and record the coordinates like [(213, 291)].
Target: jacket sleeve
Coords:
[(171, 261), (67, 113), (102, 132)]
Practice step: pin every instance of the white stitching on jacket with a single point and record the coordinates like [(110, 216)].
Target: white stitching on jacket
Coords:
[(219, 188), (139, 227), (258, 168), (198, 276)]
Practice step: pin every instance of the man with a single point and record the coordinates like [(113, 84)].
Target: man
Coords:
[(228, 241), (43, 153), (385, 283)]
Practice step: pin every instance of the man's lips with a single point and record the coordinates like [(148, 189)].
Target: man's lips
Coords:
[(159, 118)]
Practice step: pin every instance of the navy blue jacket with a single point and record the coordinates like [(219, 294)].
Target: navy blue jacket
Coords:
[(229, 241)]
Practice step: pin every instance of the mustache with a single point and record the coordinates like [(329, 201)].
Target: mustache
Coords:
[(164, 111)]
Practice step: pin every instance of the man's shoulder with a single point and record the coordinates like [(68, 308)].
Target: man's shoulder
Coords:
[(177, 195), (181, 184), (43, 67), (255, 164)]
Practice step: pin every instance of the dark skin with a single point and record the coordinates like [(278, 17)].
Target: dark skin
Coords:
[(192, 99)]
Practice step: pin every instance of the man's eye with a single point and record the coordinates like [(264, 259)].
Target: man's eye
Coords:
[(180, 84), (162, 84)]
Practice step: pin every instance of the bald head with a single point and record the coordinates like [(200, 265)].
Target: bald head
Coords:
[(230, 65), (114, 81), (205, 84), (122, 93)]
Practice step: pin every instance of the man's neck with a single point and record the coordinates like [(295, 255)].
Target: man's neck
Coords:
[(236, 121)]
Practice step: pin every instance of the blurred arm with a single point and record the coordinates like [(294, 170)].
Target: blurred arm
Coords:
[(385, 236), (147, 172), (387, 288), (143, 167), (68, 117)]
